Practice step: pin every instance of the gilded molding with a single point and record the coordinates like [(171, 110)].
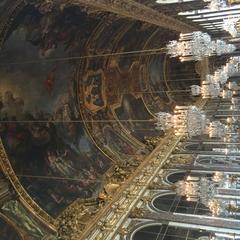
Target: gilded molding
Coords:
[(109, 219), (130, 192), (136, 11)]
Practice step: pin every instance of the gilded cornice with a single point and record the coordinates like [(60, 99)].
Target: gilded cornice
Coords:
[(109, 218), (134, 10)]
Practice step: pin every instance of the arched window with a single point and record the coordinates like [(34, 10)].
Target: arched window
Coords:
[(165, 232), (171, 202), (175, 177)]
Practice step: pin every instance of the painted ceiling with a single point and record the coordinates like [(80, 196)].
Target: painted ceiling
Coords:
[(67, 120)]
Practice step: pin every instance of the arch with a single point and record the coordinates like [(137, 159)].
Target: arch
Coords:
[(218, 160), (173, 177), (191, 146), (171, 202), (155, 231), (148, 228)]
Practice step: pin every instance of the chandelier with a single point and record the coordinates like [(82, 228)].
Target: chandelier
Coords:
[(234, 107), (210, 89), (220, 76), (196, 90), (230, 25), (196, 46), (226, 93), (195, 188), (212, 86), (221, 47), (216, 129), (186, 120), (190, 121), (216, 5), (214, 207), (233, 86), (206, 190), (165, 121), (235, 101), (232, 66)]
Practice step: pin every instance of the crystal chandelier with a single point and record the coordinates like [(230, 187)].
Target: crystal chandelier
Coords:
[(206, 190), (214, 207), (232, 66), (186, 120), (228, 70), (189, 121), (229, 25), (221, 47), (194, 188), (216, 129), (233, 86), (220, 76), (196, 46), (210, 89), (226, 93), (234, 107), (196, 90), (235, 101), (165, 121), (216, 5)]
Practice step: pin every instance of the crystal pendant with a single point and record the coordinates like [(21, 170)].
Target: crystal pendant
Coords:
[(229, 25), (216, 5), (196, 46), (216, 129)]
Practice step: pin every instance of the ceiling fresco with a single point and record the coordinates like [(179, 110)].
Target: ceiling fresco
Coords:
[(69, 123), (38, 113)]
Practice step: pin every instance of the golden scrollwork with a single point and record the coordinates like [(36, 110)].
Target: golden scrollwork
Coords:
[(145, 199), (159, 185), (123, 170), (152, 142), (137, 213), (181, 159), (123, 231), (74, 219)]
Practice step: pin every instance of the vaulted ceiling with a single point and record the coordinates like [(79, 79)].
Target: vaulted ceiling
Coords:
[(79, 87)]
